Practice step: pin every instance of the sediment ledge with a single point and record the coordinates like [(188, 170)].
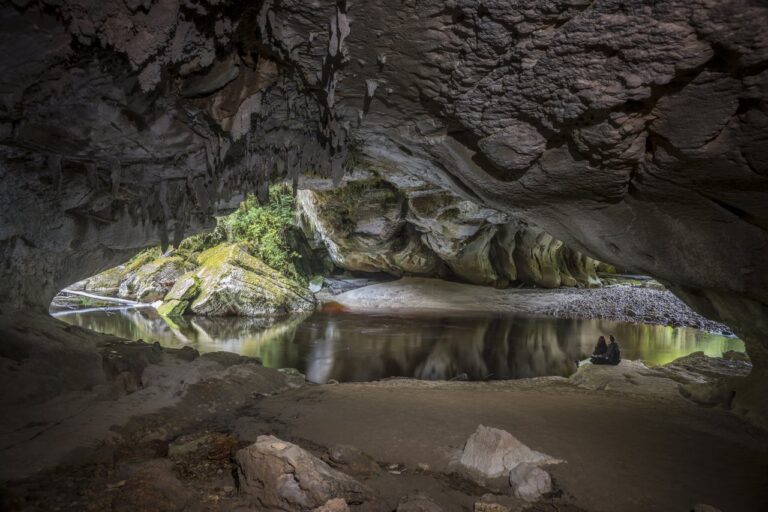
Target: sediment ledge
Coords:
[(623, 303)]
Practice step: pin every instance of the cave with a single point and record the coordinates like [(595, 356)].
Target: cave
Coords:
[(465, 195)]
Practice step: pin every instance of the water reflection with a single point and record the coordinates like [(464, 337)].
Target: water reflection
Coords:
[(349, 347)]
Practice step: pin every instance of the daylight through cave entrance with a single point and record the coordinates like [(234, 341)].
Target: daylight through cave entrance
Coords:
[(383, 256)]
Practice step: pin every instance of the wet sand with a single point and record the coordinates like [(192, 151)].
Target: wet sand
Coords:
[(623, 453)]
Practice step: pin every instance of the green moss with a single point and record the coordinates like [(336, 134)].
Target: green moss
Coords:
[(186, 287), (251, 285), (173, 308), (142, 259)]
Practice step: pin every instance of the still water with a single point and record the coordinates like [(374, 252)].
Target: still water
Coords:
[(353, 347)]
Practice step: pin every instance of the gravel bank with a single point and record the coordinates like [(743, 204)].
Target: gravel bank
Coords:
[(631, 304), (623, 303)]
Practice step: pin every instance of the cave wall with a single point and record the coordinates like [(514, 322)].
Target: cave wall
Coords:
[(633, 131), (402, 225)]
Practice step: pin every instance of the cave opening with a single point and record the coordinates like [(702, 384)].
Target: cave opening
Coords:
[(356, 256)]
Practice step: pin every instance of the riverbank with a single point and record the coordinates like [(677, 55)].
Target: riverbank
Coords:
[(622, 303), (136, 426)]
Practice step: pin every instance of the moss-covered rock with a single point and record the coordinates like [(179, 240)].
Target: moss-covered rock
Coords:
[(105, 283), (172, 308), (233, 282), (187, 287), (154, 280)]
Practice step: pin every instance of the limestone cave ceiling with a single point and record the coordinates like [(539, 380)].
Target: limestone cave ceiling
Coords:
[(636, 131)]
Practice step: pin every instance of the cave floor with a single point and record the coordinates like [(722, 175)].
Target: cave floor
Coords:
[(635, 445), (621, 452)]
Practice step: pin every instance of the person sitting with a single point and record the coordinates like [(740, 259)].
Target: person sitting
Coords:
[(601, 349), (613, 354)]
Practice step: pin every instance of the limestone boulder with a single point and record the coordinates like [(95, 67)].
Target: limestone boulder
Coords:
[(529, 481), (153, 280), (282, 476), (105, 283), (232, 282), (491, 453)]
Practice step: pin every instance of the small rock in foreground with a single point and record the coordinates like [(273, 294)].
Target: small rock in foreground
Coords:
[(529, 482), (418, 503), (333, 505)]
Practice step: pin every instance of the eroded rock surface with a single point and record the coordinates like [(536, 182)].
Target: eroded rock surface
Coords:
[(283, 476), (406, 226)]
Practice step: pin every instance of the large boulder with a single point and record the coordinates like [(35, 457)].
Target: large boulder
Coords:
[(492, 453), (281, 475), (230, 281)]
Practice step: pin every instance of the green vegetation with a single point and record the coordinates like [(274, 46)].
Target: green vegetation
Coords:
[(262, 228)]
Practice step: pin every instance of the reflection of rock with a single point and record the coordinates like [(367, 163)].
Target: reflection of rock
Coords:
[(491, 453), (281, 475), (373, 225)]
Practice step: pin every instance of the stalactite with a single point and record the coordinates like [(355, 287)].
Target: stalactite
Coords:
[(115, 176)]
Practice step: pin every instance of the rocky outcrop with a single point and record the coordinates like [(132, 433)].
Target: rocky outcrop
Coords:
[(225, 280), (152, 281), (404, 226), (632, 131), (229, 281)]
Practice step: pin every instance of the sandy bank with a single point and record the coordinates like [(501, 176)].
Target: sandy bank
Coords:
[(623, 303)]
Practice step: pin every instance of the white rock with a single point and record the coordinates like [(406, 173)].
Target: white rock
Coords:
[(529, 481), (491, 453)]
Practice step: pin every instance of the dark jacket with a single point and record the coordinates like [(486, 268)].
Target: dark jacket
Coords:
[(613, 354), (600, 349)]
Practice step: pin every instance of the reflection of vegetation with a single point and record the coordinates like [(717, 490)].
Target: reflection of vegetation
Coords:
[(85, 302), (358, 347)]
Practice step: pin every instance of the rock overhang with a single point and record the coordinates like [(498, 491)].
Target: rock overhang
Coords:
[(631, 131)]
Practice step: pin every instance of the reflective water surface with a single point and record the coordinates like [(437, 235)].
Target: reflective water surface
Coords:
[(352, 347)]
